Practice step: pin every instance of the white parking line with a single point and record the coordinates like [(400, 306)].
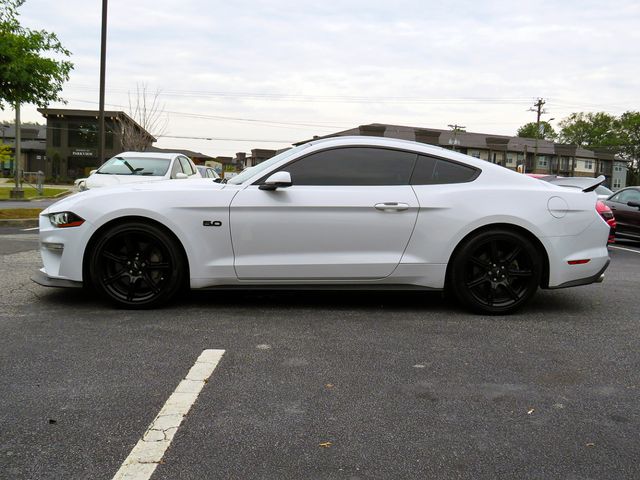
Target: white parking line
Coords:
[(148, 452), (29, 229), (625, 249)]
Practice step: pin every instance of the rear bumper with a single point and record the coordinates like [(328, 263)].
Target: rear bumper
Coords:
[(45, 280), (597, 278)]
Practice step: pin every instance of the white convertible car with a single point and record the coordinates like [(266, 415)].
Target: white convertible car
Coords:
[(338, 213)]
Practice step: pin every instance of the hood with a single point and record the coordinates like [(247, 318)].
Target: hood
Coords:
[(103, 180), (102, 194)]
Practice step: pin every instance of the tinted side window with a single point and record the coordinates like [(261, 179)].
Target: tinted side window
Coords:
[(434, 171), (627, 196), (353, 166)]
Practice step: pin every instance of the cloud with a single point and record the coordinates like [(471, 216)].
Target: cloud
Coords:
[(481, 64)]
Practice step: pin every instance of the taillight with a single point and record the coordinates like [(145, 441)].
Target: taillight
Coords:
[(604, 210)]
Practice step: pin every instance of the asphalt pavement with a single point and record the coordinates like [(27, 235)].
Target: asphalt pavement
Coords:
[(323, 385)]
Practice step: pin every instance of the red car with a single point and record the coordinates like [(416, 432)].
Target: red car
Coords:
[(606, 213)]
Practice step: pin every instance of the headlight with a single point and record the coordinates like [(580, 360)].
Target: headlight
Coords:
[(65, 219)]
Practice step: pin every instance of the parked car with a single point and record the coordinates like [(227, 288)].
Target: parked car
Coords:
[(607, 214), (625, 205), (338, 213), (135, 167), (79, 184), (208, 172)]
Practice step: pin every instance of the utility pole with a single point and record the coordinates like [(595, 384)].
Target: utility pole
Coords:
[(455, 128), (538, 109), (103, 55)]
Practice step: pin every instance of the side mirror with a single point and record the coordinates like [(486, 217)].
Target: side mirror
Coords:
[(93, 171), (634, 204), (277, 180), (217, 180), (181, 176)]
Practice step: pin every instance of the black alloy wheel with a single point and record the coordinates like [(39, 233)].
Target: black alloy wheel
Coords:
[(496, 272), (137, 265)]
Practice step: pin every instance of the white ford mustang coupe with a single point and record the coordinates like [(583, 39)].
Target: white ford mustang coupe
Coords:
[(338, 213)]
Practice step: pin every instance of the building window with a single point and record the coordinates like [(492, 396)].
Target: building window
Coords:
[(475, 153), (588, 164), (618, 168), (83, 135), (542, 161), (617, 183), (56, 134), (510, 159)]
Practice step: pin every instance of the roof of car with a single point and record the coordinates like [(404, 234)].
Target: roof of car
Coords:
[(148, 154)]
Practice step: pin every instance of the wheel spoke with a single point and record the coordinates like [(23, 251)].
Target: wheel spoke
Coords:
[(158, 266), (481, 263), (478, 281), (490, 295), (131, 291), (121, 259), (520, 273), (152, 285), (512, 293), (512, 256), (130, 244), (112, 278), (494, 251)]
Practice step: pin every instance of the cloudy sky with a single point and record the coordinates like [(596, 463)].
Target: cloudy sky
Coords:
[(246, 74)]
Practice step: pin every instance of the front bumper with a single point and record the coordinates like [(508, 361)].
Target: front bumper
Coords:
[(45, 280)]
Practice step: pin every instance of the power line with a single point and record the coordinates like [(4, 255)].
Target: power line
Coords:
[(220, 117)]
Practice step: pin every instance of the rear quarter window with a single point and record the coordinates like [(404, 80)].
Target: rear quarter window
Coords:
[(436, 171)]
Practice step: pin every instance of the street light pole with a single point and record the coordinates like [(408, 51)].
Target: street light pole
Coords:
[(17, 191)]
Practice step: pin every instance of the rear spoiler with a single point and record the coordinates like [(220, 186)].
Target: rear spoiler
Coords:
[(593, 185)]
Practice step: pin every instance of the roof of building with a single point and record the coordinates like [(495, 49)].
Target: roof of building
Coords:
[(112, 114), (469, 140), (27, 132)]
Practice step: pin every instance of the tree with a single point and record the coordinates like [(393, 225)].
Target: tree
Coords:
[(590, 130), (530, 130), (27, 73), (5, 153), (145, 108), (628, 126)]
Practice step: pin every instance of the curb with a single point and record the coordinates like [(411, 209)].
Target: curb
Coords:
[(19, 222)]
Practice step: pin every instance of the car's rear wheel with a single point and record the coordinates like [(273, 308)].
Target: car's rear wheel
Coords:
[(137, 265), (496, 271)]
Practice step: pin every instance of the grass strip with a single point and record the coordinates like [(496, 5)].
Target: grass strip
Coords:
[(19, 213)]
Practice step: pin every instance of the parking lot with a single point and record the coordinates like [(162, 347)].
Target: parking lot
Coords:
[(349, 385)]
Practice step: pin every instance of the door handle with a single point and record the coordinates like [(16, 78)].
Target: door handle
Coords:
[(392, 206)]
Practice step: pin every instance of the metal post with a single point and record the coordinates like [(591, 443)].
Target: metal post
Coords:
[(103, 55)]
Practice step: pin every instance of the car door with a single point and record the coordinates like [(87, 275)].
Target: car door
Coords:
[(188, 167), (627, 217), (348, 214)]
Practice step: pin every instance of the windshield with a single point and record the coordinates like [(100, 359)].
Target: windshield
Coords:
[(156, 167), (251, 171), (602, 190)]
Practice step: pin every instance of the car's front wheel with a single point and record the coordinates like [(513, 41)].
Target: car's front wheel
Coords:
[(137, 265), (496, 271)]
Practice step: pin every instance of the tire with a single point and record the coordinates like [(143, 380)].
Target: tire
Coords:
[(496, 272), (137, 265)]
